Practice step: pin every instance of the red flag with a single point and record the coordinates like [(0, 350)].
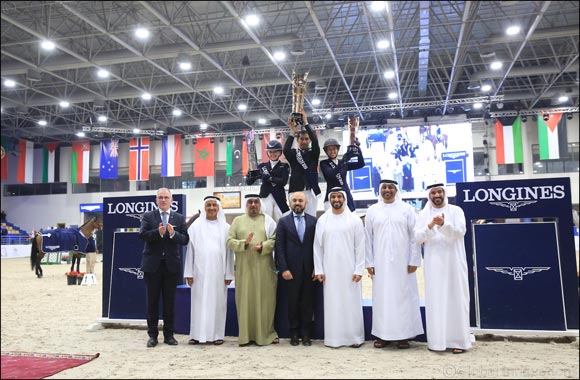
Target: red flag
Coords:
[(25, 161), (245, 158), (139, 159), (204, 158), (4, 168), (265, 142)]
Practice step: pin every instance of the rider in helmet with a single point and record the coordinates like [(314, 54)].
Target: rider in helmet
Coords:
[(274, 175), (303, 163), (334, 169)]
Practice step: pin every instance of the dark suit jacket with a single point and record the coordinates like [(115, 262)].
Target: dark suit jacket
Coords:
[(332, 173), (273, 181), (156, 245), (301, 178), (291, 254)]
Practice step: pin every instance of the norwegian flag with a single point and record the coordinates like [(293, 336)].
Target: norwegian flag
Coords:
[(139, 159)]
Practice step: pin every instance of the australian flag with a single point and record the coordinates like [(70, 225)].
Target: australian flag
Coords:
[(109, 155)]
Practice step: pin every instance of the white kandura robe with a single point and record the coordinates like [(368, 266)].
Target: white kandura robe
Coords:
[(390, 249), (210, 263), (339, 253), (446, 278)]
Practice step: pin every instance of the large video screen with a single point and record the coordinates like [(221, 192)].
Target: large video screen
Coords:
[(415, 157)]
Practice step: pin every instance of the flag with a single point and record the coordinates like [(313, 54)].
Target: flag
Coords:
[(265, 140), (80, 162), (229, 152), (4, 168), (237, 155), (109, 159), (204, 158), (553, 137), (508, 141), (244, 157), (50, 162), (139, 159), (171, 156), (25, 161)]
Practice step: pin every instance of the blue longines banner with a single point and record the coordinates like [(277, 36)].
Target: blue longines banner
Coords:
[(520, 243), (123, 286)]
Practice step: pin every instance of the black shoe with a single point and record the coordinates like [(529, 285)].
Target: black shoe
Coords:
[(306, 341), (294, 340), (152, 342), (170, 341)]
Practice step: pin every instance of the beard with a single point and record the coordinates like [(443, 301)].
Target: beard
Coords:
[(337, 205), (297, 209), (437, 201)]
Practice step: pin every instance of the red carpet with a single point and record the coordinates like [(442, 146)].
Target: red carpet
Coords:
[(37, 365)]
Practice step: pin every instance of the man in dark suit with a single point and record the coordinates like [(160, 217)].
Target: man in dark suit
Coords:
[(303, 163), (163, 231), (294, 242)]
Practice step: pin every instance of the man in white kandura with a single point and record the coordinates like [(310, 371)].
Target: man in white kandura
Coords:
[(339, 259), (209, 269), (441, 227), (392, 257)]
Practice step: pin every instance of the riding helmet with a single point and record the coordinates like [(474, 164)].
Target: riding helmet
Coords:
[(331, 142), (273, 146)]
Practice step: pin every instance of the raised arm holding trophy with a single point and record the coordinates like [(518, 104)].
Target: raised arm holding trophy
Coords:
[(334, 170), (304, 160)]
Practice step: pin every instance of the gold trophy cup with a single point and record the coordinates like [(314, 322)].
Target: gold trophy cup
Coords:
[(298, 93), (353, 123)]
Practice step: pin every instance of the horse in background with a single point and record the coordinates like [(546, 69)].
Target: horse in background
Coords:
[(80, 240), (438, 139)]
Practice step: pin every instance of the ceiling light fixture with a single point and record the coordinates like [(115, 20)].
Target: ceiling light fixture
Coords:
[(42, 123), (203, 126), (563, 99), (315, 102), (47, 45), (176, 112), (279, 56), (477, 106), (64, 104), (485, 88), (141, 33), (392, 95), (496, 65), (242, 107), (146, 96), (512, 30), (252, 20), (102, 73), (184, 61), (383, 44), (9, 83), (389, 74), (378, 6)]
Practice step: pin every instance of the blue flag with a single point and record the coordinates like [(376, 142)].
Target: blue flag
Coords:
[(109, 156)]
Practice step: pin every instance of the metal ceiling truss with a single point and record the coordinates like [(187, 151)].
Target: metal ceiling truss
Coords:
[(440, 52)]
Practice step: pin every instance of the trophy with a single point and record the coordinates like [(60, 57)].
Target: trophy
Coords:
[(298, 93), (353, 123), (252, 154)]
